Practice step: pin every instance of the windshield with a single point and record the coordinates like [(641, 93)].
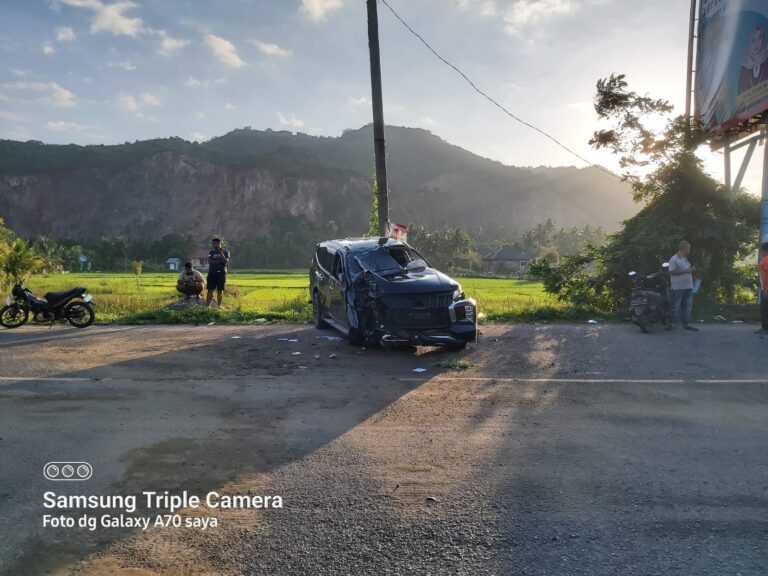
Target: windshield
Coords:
[(387, 260)]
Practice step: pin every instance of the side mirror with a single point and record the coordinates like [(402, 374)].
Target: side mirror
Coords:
[(416, 265)]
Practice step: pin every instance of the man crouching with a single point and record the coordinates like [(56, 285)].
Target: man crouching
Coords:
[(190, 282)]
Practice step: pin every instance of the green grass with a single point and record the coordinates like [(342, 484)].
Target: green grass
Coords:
[(455, 364), (280, 296)]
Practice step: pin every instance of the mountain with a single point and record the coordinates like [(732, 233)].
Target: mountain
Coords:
[(241, 183)]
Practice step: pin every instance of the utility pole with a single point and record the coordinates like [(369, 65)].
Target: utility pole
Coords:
[(378, 118)]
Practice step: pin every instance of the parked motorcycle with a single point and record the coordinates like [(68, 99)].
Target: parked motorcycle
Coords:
[(650, 301), (75, 306)]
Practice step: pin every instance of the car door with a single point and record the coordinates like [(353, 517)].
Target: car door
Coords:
[(336, 291), (322, 276)]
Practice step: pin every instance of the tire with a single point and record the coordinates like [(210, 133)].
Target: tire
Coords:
[(79, 314), (456, 347), (13, 316), (317, 312), (644, 324)]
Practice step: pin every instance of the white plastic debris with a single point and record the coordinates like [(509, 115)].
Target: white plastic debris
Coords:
[(737, 322), (236, 337), (295, 353), (719, 318), (592, 322), (330, 338), (419, 370), (211, 323), (260, 320)]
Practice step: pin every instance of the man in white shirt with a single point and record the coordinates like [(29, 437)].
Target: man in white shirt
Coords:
[(190, 282), (681, 275)]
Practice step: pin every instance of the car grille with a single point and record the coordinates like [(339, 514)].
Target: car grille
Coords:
[(419, 312)]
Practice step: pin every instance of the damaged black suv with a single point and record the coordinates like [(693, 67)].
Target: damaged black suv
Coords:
[(382, 291)]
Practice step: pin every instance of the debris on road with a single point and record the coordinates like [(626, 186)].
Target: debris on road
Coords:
[(330, 338), (431, 500), (719, 318), (332, 356), (295, 353), (592, 322), (419, 370), (236, 337), (317, 356)]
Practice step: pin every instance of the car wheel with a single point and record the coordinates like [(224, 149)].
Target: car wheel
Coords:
[(318, 314), (456, 346)]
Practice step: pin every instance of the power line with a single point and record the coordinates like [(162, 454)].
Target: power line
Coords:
[(491, 100)]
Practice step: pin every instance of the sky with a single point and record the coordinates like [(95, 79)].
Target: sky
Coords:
[(113, 71)]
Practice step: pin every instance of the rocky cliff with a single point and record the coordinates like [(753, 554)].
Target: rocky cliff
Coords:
[(239, 183)]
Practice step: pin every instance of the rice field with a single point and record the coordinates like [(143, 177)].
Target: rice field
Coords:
[(278, 295)]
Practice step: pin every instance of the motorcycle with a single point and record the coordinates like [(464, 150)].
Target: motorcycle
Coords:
[(650, 301), (75, 306)]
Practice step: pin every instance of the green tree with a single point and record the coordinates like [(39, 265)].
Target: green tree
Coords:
[(680, 201), (373, 219), (20, 261)]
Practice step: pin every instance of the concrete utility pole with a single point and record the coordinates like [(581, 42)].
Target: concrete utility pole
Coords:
[(378, 118)]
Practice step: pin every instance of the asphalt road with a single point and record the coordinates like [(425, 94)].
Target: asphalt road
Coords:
[(562, 450)]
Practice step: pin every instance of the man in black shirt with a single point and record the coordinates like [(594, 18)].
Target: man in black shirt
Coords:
[(218, 258)]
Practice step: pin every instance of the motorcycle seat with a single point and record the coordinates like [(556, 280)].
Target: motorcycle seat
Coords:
[(53, 297)]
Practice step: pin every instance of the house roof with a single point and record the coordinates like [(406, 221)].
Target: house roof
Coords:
[(171, 260), (507, 253)]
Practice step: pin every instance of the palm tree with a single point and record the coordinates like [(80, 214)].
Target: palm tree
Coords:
[(21, 260)]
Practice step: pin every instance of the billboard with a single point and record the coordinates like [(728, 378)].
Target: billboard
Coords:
[(732, 62)]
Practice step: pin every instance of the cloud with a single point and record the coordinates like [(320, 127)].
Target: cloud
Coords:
[(65, 34), (229, 106), (526, 13), (197, 137), (362, 101), (110, 18), (270, 49), (224, 51), (318, 10), (200, 115), (129, 103), (49, 93), (11, 117), (168, 44), (126, 65), (480, 7), (290, 120), (192, 82), (148, 99), (67, 127), (48, 49)]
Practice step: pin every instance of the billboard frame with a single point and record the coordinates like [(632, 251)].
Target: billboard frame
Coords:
[(747, 133)]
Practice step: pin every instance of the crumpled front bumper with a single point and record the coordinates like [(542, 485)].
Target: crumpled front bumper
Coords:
[(462, 328)]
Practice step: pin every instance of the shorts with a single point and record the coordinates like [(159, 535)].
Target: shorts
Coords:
[(216, 281)]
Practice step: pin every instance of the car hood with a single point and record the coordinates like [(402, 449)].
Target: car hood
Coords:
[(426, 281)]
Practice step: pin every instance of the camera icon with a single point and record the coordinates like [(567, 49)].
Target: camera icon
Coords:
[(67, 471)]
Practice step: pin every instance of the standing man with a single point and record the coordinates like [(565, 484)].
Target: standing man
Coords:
[(190, 282), (681, 273), (764, 289), (218, 258)]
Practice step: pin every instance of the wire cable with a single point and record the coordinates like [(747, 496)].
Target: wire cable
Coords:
[(493, 101)]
